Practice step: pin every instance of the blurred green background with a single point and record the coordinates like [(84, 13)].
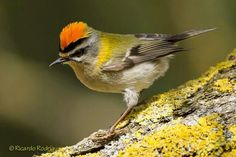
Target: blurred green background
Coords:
[(49, 106)]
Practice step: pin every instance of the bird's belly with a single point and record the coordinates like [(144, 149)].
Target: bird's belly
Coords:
[(143, 75), (139, 77)]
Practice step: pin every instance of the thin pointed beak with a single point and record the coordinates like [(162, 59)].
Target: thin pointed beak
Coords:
[(59, 60)]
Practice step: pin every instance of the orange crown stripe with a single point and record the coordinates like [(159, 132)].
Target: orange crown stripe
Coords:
[(72, 32)]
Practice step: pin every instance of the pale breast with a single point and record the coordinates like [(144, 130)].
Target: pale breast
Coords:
[(139, 77)]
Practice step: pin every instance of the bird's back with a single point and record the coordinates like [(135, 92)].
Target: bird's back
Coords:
[(125, 61)]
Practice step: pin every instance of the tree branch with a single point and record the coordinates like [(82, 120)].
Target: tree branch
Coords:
[(197, 118)]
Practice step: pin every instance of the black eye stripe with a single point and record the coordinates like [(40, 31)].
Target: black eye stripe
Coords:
[(72, 45)]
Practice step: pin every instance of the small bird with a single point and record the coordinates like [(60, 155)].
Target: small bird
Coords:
[(118, 63)]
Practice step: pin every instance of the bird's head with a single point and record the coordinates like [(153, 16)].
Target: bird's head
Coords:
[(75, 39)]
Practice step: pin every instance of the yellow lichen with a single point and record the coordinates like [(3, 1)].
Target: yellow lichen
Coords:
[(90, 155), (232, 129), (231, 145), (203, 139), (66, 152), (232, 142), (164, 104), (224, 85), (61, 152), (138, 134), (232, 153)]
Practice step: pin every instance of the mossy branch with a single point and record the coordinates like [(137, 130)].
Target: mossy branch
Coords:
[(196, 119)]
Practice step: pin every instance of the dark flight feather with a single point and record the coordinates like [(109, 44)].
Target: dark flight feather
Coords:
[(152, 47)]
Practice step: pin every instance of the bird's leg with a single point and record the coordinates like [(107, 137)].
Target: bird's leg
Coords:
[(131, 98), (122, 117)]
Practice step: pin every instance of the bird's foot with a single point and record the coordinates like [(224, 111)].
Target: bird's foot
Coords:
[(104, 136)]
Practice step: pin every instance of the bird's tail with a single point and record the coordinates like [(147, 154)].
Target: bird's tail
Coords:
[(187, 34)]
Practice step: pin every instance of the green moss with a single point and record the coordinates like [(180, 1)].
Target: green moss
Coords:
[(206, 138)]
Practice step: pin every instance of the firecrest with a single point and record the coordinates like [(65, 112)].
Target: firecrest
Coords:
[(118, 63)]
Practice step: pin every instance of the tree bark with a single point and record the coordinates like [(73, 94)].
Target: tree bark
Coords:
[(195, 119)]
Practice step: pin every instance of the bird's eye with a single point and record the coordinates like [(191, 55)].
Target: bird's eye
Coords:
[(79, 52)]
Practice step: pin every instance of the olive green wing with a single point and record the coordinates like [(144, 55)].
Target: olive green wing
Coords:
[(150, 48), (146, 51)]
